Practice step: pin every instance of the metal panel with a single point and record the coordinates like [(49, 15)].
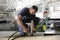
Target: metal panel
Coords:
[(7, 4)]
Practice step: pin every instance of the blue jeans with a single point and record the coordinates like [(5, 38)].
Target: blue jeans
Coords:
[(20, 29)]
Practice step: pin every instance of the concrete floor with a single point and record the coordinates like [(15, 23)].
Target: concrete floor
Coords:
[(4, 34), (51, 37)]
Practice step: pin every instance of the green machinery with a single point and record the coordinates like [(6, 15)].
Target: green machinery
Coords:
[(42, 23)]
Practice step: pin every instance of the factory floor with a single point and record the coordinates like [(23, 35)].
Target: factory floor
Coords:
[(52, 37), (4, 34)]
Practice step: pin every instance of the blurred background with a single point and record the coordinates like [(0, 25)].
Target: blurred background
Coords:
[(9, 10)]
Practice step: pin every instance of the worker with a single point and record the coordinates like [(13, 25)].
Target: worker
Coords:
[(26, 15)]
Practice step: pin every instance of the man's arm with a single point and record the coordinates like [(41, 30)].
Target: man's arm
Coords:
[(19, 21), (32, 23)]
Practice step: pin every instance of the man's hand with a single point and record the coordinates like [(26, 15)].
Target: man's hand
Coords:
[(25, 30), (19, 21)]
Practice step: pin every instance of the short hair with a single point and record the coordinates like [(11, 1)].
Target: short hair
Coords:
[(35, 8)]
